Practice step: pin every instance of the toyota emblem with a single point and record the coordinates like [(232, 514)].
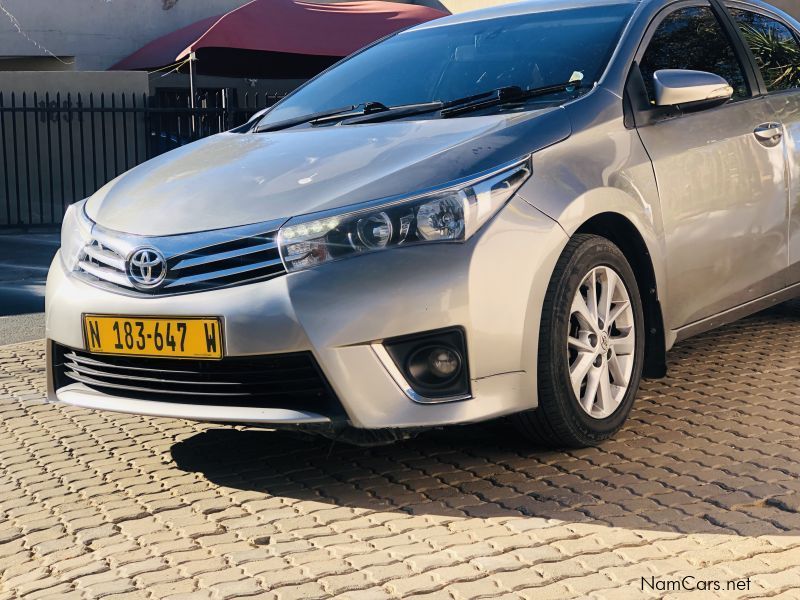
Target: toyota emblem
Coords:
[(146, 268)]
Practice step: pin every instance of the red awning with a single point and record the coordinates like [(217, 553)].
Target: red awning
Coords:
[(283, 26)]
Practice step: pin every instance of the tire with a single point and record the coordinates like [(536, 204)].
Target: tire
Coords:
[(567, 415)]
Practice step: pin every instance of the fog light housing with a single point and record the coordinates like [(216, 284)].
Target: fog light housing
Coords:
[(433, 363)]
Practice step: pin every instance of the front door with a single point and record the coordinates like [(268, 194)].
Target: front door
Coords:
[(720, 174)]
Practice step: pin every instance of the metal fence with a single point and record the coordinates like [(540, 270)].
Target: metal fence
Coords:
[(58, 149)]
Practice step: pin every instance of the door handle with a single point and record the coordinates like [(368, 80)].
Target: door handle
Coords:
[(769, 134)]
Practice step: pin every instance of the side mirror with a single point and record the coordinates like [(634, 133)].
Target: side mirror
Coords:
[(694, 88)]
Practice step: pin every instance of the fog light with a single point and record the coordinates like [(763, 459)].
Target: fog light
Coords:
[(433, 363), (444, 363)]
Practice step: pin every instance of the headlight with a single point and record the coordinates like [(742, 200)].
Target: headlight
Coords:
[(76, 232), (449, 214)]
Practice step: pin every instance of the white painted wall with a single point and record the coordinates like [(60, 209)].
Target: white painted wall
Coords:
[(97, 32)]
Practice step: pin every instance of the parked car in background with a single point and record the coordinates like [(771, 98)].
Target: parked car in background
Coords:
[(516, 211)]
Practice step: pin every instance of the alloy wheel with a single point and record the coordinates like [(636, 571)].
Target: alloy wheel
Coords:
[(601, 342)]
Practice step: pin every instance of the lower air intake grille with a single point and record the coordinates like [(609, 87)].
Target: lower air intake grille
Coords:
[(288, 381)]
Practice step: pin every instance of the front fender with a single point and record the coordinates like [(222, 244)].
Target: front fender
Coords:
[(602, 168)]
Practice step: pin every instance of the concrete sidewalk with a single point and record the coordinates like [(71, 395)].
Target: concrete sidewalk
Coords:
[(24, 260)]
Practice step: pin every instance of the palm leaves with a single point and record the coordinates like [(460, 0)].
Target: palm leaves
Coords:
[(777, 55)]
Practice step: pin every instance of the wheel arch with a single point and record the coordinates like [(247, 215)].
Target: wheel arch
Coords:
[(624, 234)]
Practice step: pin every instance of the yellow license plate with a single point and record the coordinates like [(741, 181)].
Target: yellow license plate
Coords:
[(187, 337)]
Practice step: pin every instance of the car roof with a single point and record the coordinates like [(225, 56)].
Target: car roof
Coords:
[(518, 8)]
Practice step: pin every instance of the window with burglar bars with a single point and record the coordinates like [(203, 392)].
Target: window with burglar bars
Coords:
[(57, 149)]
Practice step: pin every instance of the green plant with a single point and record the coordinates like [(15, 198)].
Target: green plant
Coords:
[(777, 56)]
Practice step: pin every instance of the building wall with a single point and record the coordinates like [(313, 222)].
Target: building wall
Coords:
[(36, 63), (41, 82), (92, 35), (98, 33)]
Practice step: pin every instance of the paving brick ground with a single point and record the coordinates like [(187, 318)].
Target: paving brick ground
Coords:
[(704, 481)]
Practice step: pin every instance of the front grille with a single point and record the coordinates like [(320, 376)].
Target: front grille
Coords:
[(288, 381), (194, 262)]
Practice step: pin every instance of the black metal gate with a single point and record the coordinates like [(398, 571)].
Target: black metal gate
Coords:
[(58, 149)]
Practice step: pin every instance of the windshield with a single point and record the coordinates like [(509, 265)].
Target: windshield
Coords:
[(447, 62)]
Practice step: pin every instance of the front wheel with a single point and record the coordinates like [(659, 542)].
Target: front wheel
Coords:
[(591, 347)]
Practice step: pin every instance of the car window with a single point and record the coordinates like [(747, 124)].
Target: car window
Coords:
[(775, 48), (692, 38), (450, 61)]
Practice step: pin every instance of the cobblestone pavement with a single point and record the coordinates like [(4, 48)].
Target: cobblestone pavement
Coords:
[(704, 481)]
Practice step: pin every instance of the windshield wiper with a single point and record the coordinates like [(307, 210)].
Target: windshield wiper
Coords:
[(353, 113), (394, 112), (366, 112), (372, 112), (287, 123), (504, 95)]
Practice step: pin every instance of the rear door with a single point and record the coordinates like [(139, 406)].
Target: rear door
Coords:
[(773, 42), (721, 184)]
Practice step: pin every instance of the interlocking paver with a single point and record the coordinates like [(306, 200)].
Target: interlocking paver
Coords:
[(704, 480)]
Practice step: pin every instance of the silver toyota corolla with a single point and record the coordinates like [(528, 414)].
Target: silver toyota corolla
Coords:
[(515, 211)]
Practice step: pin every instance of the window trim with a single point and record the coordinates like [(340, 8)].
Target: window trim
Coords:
[(764, 12), (725, 21), (642, 117)]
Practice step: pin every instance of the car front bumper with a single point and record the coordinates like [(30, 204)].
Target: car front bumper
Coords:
[(492, 286)]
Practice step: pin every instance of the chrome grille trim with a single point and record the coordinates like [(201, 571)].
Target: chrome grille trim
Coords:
[(234, 271), (290, 381), (195, 261), (74, 371), (81, 378), (85, 359), (105, 274), (204, 260), (107, 257)]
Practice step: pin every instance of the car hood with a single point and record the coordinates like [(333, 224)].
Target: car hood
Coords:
[(235, 179)]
